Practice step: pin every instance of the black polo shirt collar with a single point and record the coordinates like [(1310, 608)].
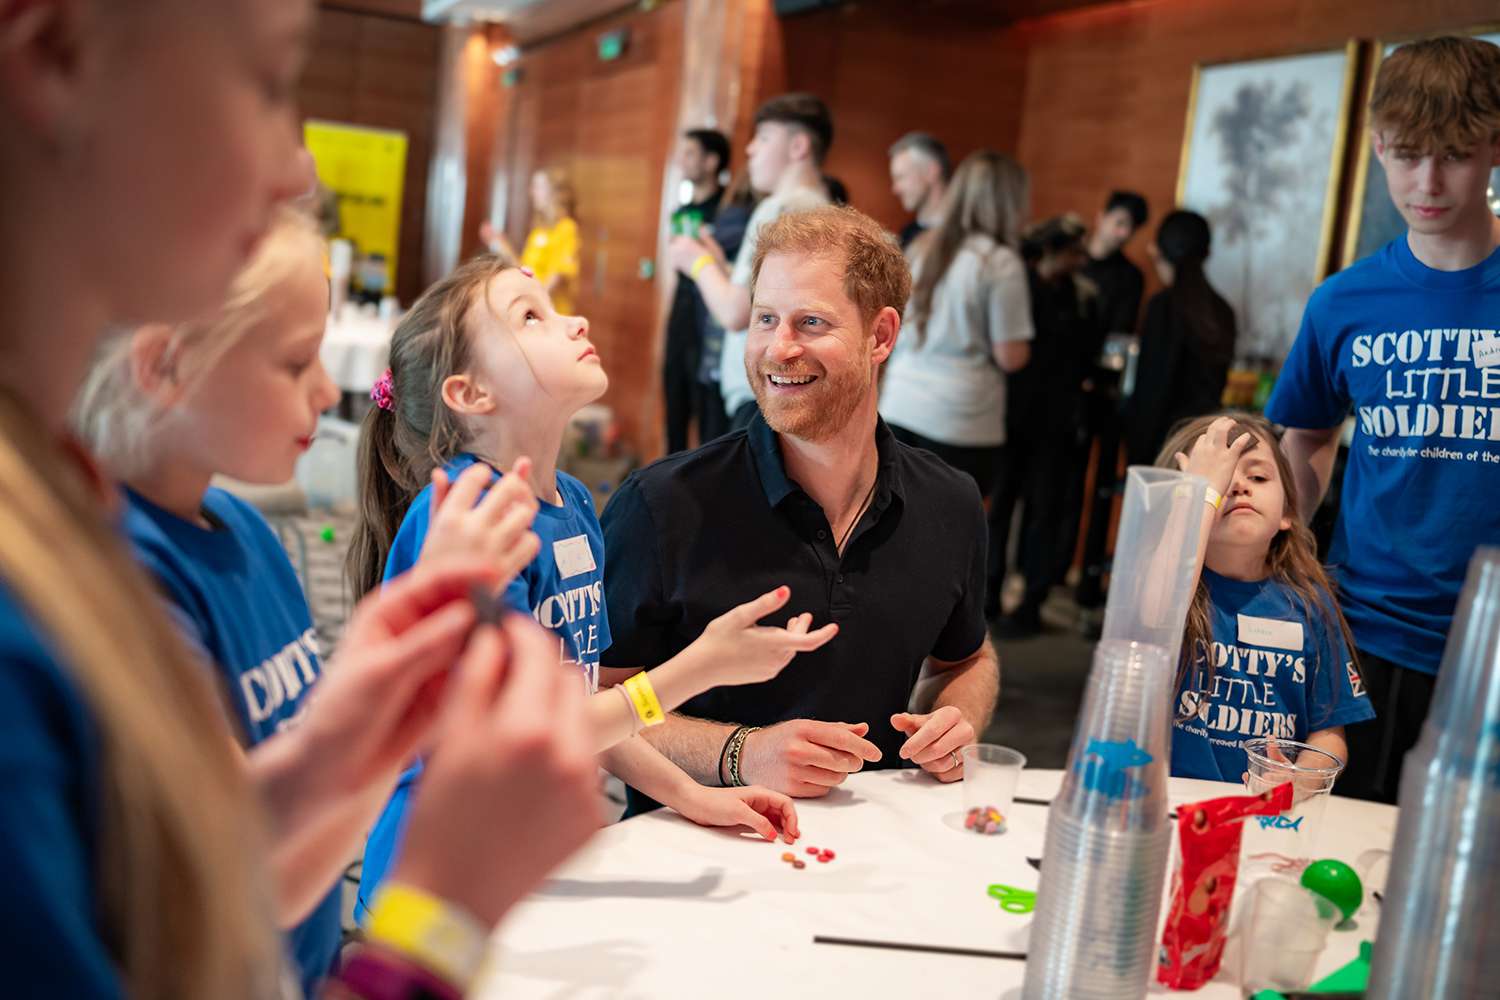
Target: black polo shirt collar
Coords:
[(770, 466)]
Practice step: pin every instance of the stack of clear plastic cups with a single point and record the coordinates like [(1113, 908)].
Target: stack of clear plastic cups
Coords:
[(1108, 836), (1440, 923)]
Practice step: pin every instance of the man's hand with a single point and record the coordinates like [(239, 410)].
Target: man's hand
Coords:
[(684, 251), (770, 814), (805, 758), (933, 738)]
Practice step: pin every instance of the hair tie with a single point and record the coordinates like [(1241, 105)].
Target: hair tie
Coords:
[(383, 392)]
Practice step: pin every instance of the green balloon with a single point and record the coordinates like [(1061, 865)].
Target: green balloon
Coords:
[(1335, 882)]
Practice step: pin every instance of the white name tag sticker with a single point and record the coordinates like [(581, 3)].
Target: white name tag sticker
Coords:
[(573, 556), (1268, 633), (1486, 352)]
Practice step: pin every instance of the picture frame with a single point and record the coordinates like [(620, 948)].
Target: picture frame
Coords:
[(1262, 154)]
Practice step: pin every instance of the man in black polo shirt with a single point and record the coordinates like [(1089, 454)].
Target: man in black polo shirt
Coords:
[(883, 539)]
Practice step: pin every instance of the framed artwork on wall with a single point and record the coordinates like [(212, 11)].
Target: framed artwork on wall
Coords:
[(1261, 158), (1373, 220)]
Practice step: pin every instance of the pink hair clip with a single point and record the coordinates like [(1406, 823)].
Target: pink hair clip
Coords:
[(383, 392), (528, 272)]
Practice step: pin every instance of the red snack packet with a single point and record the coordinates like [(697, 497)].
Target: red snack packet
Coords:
[(1192, 943)]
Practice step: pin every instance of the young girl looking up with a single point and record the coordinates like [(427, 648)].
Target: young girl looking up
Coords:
[(484, 370), (1266, 650), (239, 393)]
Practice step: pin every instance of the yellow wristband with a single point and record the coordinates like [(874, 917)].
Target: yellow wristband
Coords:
[(436, 935), (643, 697), (1214, 498), (704, 259)]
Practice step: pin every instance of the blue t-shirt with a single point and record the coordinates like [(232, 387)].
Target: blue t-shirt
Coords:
[(51, 941), (562, 588), (1393, 340), (1276, 668), (234, 595)]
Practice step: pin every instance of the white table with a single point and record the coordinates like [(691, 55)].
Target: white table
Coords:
[(657, 907), (356, 348)]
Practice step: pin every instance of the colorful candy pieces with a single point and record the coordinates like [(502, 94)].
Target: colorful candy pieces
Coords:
[(823, 856), (984, 819)]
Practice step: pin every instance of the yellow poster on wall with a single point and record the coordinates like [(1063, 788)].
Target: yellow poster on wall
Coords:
[(364, 168)]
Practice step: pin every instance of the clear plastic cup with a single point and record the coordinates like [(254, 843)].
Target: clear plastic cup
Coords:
[(1287, 931), (991, 774), (1293, 835)]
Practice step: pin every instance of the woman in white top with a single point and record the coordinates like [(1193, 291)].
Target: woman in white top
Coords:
[(968, 323)]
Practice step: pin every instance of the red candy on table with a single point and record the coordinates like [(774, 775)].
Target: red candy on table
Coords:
[(813, 851), (829, 855)]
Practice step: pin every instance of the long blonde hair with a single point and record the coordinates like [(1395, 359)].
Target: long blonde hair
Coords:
[(1292, 559), (987, 196), (182, 896), (117, 419)]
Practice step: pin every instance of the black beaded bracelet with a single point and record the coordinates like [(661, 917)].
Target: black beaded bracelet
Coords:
[(737, 744), (723, 755)]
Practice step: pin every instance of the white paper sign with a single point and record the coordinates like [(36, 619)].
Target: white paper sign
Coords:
[(1268, 633), (1486, 352), (573, 556)]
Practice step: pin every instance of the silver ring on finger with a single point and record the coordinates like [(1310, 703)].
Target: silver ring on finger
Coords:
[(958, 760)]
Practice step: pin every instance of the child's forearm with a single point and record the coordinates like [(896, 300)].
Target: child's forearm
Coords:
[(682, 677), (642, 767), (1332, 741)]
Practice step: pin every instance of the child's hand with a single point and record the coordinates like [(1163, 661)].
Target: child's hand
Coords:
[(509, 790), (1214, 457), (738, 651), (495, 529), (768, 813)]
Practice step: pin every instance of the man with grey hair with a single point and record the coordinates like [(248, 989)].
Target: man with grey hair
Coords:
[(920, 170)]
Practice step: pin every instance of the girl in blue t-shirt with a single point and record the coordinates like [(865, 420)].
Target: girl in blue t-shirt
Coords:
[(1266, 652), (484, 371), (239, 394)]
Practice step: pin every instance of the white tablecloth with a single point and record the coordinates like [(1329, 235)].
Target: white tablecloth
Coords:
[(356, 349), (657, 907)]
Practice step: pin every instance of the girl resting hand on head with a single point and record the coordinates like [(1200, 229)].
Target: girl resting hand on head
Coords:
[(1266, 651)]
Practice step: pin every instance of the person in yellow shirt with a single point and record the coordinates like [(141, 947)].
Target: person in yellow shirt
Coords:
[(551, 251)]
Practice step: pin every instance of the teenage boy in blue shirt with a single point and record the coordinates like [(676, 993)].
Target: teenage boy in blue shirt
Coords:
[(1399, 338)]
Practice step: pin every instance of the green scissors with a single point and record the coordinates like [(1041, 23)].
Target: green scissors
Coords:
[(1013, 900)]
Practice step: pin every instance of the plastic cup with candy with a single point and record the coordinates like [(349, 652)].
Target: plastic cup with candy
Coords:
[(991, 774)]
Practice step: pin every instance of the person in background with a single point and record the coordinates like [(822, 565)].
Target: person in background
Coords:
[(1187, 339), (702, 156), (135, 838), (838, 192), (920, 170), (1392, 339), (1045, 422), (723, 240), (551, 251), (792, 136), (1120, 282), (968, 324)]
